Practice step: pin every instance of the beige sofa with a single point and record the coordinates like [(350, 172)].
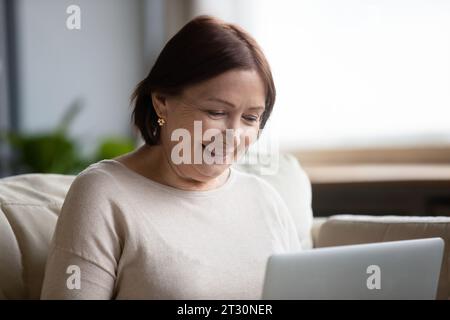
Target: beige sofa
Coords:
[(30, 204)]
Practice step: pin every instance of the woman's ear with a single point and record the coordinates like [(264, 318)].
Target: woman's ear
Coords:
[(160, 104)]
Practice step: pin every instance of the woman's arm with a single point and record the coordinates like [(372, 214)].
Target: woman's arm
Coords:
[(86, 244), (69, 276), (291, 238)]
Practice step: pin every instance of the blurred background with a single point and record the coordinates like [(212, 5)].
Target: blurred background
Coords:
[(363, 89)]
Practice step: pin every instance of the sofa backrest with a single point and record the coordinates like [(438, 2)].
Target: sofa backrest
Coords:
[(350, 229), (30, 205)]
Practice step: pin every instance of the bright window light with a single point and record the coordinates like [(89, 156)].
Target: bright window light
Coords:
[(357, 73)]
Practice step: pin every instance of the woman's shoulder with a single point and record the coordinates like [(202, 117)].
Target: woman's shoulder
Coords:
[(90, 203), (97, 177)]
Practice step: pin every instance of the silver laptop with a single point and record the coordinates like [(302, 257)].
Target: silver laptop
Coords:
[(406, 269)]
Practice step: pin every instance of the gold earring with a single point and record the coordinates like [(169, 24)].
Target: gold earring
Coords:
[(161, 122)]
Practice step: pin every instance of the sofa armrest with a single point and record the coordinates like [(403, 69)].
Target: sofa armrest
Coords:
[(315, 229), (351, 229)]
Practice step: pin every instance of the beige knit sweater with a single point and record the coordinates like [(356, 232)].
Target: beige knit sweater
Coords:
[(124, 236)]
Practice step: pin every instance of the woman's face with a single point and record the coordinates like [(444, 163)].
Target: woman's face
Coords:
[(219, 119)]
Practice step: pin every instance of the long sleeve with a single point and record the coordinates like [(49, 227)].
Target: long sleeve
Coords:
[(69, 276), (86, 245), (285, 219), (289, 226)]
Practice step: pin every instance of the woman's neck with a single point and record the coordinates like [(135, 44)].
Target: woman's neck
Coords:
[(152, 163)]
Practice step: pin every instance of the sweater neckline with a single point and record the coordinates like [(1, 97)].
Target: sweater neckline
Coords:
[(174, 190)]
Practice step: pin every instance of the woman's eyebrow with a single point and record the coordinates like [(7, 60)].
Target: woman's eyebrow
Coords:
[(231, 104)]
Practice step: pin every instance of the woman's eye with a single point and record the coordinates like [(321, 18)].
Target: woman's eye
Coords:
[(251, 118), (216, 113)]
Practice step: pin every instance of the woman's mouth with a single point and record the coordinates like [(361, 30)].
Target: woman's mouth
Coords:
[(213, 152), (209, 150)]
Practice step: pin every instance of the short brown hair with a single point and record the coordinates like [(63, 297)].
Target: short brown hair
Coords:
[(204, 48)]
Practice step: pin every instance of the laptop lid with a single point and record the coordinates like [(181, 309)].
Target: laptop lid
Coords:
[(407, 269)]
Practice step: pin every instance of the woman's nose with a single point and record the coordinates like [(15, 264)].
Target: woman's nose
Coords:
[(234, 123), (232, 132)]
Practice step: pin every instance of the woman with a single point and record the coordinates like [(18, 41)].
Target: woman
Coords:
[(146, 225)]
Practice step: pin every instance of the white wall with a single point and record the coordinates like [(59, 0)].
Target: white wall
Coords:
[(4, 114), (154, 30), (4, 94), (98, 65)]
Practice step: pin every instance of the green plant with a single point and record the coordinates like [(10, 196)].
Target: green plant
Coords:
[(56, 152), (112, 147), (45, 153)]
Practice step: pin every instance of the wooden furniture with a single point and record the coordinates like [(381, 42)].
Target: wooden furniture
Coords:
[(383, 189)]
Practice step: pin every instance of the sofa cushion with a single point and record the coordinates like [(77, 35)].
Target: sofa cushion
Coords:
[(350, 229), (29, 206)]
